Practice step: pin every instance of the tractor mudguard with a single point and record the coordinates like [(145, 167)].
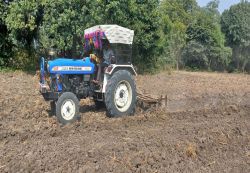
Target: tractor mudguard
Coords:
[(114, 68)]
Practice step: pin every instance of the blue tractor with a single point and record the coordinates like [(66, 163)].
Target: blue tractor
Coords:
[(64, 81)]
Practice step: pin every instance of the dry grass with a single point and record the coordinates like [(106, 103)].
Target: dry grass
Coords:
[(191, 150)]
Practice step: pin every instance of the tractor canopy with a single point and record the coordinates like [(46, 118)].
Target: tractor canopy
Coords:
[(120, 40)]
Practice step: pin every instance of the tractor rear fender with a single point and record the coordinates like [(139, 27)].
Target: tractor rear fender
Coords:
[(114, 68)]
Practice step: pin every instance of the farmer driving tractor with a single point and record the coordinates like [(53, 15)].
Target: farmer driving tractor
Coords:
[(105, 61)]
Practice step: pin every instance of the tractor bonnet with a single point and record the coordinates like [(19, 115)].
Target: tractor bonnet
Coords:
[(113, 33)]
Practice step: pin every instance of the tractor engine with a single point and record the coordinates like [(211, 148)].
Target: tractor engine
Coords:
[(78, 84)]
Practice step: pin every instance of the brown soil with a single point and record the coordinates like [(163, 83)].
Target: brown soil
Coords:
[(205, 128)]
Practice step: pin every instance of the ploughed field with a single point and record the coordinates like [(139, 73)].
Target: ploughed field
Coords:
[(204, 128)]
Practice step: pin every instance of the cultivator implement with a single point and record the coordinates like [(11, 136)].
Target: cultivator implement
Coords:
[(147, 101)]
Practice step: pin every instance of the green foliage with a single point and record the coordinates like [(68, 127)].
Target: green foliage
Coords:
[(168, 33), (5, 43), (175, 17), (63, 20), (5, 47), (194, 55), (204, 37), (19, 30), (7, 69), (22, 21), (23, 59), (236, 23), (220, 57), (236, 26)]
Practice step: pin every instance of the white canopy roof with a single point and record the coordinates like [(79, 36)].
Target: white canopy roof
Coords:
[(114, 33)]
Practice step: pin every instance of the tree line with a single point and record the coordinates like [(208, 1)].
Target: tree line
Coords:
[(168, 33)]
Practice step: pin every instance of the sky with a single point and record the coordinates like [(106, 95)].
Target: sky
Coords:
[(224, 4)]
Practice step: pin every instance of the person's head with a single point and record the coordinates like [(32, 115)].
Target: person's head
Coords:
[(106, 44)]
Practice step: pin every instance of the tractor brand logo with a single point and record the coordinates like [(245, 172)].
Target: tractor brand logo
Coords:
[(71, 68)]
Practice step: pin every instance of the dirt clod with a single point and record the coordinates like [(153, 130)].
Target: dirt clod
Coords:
[(191, 151)]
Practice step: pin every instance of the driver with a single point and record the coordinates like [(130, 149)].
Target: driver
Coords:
[(106, 60), (107, 54)]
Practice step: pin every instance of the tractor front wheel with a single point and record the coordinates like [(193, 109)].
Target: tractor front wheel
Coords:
[(120, 96), (67, 108)]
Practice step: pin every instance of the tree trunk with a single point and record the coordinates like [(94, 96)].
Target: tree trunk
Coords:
[(236, 56), (177, 63), (244, 66)]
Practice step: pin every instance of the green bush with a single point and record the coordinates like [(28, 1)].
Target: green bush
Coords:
[(24, 59), (194, 56)]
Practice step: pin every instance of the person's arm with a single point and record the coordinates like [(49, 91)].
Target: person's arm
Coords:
[(95, 58), (111, 53), (111, 56)]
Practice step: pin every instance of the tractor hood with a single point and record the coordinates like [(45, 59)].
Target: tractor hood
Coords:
[(71, 66)]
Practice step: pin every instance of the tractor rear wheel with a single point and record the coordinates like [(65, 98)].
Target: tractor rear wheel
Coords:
[(67, 108), (120, 95)]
